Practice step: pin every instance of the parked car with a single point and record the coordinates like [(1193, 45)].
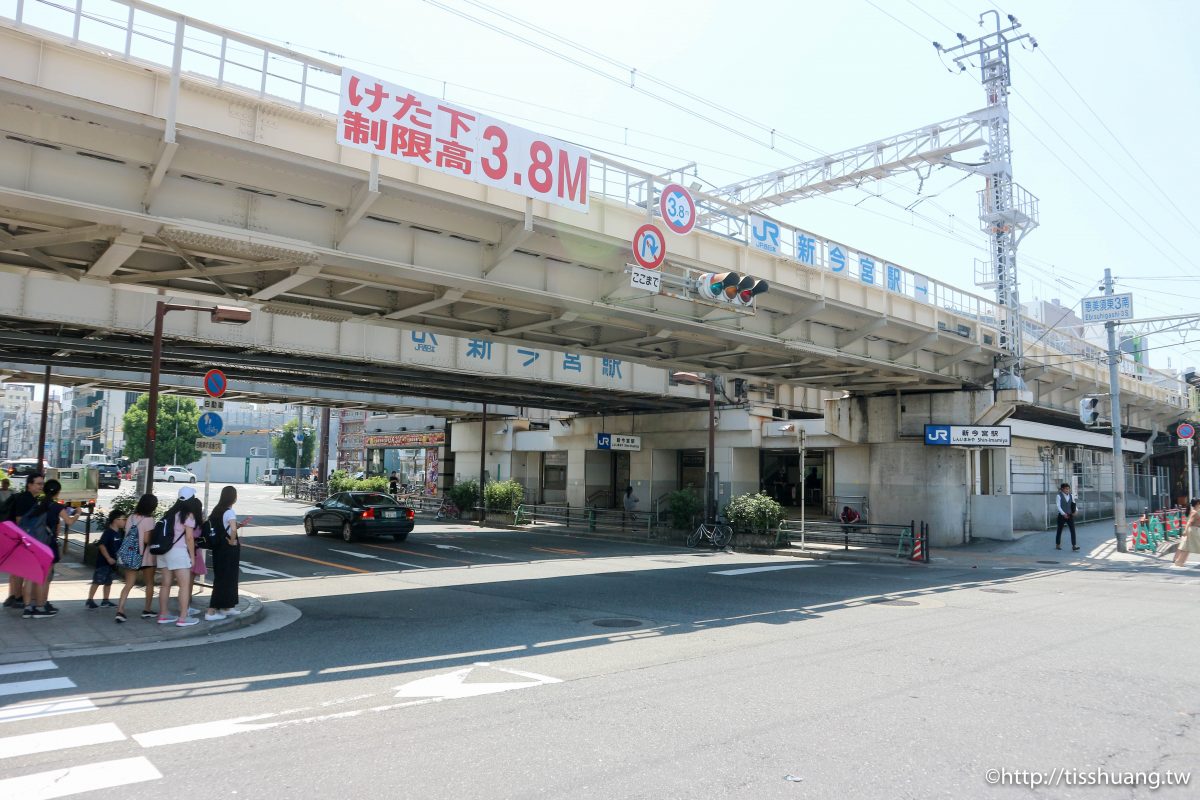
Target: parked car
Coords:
[(174, 475), (110, 476), (272, 477), (355, 514), (20, 467)]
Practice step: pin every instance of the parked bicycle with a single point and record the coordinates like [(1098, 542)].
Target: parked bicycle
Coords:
[(447, 509), (718, 533)]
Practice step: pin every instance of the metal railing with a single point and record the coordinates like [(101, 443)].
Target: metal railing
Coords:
[(310, 491), (145, 34), (896, 539), (596, 520)]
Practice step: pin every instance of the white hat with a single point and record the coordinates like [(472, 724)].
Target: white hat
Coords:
[(186, 493)]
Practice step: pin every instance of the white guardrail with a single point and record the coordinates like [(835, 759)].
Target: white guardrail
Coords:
[(149, 35)]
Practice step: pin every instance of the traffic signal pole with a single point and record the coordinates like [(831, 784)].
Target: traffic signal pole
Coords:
[(1114, 388)]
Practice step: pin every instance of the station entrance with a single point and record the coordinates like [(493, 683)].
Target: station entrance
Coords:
[(789, 483)]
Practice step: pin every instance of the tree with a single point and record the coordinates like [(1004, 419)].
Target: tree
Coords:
[(177, 431), (284, 446)]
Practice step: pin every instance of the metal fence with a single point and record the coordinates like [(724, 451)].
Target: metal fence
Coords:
[(1090, 474)]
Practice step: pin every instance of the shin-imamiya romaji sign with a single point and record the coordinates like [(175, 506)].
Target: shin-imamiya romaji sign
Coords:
[(388, 120), (968, 435)]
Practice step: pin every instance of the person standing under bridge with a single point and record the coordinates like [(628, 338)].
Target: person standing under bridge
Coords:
[(1066, 515)]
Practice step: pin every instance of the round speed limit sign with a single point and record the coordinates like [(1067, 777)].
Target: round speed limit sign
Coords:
[(678, 209)]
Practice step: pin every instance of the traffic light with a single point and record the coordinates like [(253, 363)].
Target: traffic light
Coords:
[(730, 287), (1087, 410)]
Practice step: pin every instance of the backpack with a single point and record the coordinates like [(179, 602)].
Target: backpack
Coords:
[(129, 554), (34, 524), (163, 537), (207, 536)]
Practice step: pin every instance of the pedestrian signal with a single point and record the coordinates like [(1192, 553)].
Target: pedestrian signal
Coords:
[(730, 287), (1088, 414)]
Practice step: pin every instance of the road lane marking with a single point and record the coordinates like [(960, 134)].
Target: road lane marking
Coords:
[(559, 550), (306, 558), (255, 569), (52, 708), (62, 739), (475, 552), (204, 730), (453, 685), (85, 778), (748, 570), (43, 685), (26, 666), (377, 558), (415, 553)]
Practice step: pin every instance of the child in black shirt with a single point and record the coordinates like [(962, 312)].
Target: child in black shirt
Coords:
[(106, 558)]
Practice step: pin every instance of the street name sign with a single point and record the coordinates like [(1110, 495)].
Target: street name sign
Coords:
[(968, 435), (1107, 307), (214, 446)]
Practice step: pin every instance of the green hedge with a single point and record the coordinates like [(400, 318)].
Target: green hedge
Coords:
[(754, 513), (340, 481), (683, 505), (465, 495), (503, 495)]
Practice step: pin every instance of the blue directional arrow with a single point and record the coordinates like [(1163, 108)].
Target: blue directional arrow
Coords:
[(210, 424)]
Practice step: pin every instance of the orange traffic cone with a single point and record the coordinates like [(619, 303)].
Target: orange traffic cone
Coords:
[(918, 553)]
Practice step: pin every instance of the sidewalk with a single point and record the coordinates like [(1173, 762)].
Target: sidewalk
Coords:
[(77, 630)]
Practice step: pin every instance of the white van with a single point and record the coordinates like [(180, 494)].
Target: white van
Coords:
[(95, 460)]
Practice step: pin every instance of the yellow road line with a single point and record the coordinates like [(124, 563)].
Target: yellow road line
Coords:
[(306, 558)]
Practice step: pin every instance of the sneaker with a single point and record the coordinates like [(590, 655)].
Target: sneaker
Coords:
[(233, 612), (107, 604), (53, 609), (91, 604), (148, 614), (1074, 548), (214, 616), (40, 613), (193, 612), (27, 612), (167, 620), (186, 623), (121, 617), (12, 601)]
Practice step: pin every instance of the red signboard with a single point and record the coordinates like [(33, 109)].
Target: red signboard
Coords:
[(405, 440), (394, 122)]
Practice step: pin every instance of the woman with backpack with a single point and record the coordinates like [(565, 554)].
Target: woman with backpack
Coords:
[(227, 553), (176, 558), (133, 556)]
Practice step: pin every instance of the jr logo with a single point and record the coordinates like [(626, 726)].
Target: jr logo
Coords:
[(603, 441), (937, 434), (766, 234)]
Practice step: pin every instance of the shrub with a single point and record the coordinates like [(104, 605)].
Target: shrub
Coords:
[(464, 494), (127, 501), (376, 484), (755, 513), (340, 481), (503, 495), (683, 506)]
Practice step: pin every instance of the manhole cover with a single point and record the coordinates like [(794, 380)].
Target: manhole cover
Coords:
[(885, 601), (999, 591), (1047, 562), (617, 623)]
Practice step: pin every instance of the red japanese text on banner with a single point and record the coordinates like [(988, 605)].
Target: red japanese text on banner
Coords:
[(394, 122)]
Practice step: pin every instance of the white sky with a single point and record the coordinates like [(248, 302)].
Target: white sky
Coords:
[(1107, 78)]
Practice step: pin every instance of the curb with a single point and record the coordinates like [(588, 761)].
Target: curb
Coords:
[(252, 613)]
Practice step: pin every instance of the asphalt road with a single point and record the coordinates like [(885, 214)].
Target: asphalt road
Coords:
[(471, 663)]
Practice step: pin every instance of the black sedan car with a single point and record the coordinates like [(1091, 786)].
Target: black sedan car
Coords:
[(110, 476), (355, 514)]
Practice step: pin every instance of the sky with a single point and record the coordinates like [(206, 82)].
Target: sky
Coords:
[(1104, 112)]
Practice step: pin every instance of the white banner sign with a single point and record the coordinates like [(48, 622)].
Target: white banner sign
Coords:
[(649, 279), (390, 121)]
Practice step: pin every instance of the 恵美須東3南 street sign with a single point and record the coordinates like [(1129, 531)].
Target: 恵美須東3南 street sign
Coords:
[(968, 435), (1107, 308)]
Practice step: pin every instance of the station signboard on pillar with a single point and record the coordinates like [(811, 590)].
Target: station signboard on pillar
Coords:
[(618, 441), (968, 435)]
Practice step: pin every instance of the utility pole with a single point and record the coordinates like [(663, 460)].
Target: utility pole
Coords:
[(1114, 388)]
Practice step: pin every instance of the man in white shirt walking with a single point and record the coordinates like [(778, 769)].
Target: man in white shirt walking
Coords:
[(1066, 515)]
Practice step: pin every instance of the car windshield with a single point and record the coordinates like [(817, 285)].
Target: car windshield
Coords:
[(374, 499)]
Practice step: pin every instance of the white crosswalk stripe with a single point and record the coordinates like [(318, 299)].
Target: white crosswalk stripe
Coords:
[(65, 779), (78, 779)]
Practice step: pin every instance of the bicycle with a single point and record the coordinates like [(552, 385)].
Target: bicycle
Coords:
[(718, 533), (447, 508)]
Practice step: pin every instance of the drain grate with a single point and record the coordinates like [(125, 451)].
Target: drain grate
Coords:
[(998, 591), (617, 622)]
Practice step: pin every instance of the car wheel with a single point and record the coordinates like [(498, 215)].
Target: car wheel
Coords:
[(193, 480), (347, 532), (309, 528), (400, 537), (170, 479)]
